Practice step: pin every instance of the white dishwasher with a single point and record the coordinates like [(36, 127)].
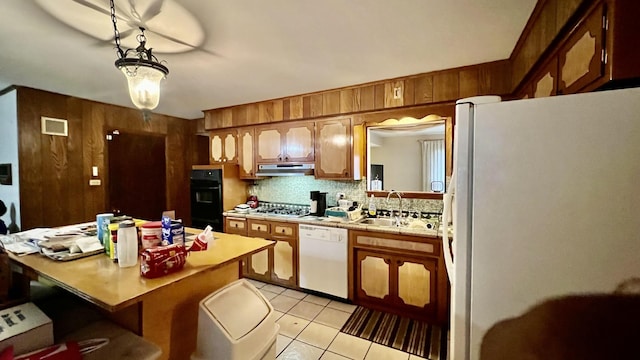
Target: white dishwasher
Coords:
[(323, 259)]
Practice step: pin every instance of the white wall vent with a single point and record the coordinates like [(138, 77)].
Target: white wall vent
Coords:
[(53, 126)]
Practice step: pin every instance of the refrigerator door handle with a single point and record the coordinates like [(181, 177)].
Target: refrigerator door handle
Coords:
[(446, 212)]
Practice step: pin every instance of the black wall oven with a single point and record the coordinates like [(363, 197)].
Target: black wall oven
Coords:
[(206, 199)]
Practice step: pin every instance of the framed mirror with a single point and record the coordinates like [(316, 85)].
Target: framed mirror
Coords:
[(410, 155)]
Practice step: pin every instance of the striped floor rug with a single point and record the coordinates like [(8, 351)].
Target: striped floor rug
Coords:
[(412, 336)]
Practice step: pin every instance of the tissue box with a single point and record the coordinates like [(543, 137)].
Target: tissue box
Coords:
[(25, 327)]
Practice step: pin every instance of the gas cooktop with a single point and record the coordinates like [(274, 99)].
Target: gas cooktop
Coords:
[(282, 210)]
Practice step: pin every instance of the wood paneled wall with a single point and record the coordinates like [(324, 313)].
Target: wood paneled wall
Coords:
[(55, 170), (549, 17), (421, 89)]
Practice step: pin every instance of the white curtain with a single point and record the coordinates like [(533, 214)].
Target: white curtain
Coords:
[(433, 165)]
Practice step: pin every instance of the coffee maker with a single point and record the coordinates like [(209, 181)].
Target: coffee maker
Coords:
[(318, 203)]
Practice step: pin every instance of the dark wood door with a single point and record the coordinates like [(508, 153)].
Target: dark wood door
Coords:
[(137, 175)]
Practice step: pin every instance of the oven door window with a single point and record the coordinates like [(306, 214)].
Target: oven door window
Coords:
[(206, 200), (204, 196)]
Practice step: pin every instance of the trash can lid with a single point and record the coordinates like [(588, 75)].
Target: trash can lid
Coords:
[(237, 308)]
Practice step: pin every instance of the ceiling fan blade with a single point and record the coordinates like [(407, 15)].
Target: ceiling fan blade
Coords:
[(134, 12), (171, 38), (152, 11), (123, 35), (97, 8)]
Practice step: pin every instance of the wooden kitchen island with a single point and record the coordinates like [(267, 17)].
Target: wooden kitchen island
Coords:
[(162, 310)]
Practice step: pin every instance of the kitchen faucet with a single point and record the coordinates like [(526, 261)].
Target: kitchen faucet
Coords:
[(399, 216)]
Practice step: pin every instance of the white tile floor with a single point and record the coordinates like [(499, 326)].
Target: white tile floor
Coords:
[(310, 329)]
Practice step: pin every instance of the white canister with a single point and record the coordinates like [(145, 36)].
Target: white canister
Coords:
[(151, 234), (127, 245)]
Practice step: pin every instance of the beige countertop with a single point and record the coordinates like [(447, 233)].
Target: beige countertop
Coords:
[(102, 282), (353, 225)]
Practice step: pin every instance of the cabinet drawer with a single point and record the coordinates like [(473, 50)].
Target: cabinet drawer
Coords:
[(235, 226), (283, 230), (402, 243), (258, 228)]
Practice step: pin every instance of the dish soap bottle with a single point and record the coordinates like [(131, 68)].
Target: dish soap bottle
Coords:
[(372, 207)]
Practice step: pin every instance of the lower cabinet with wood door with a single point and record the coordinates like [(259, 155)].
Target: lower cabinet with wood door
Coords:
[(400, 274), (277, 265)]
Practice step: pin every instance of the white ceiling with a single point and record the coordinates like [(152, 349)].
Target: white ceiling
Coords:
[(249, 50)]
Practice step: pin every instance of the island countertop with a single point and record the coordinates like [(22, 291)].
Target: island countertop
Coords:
[(163, 310), (102, 282)]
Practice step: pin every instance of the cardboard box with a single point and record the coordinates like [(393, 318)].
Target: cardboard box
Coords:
[(25, 327)]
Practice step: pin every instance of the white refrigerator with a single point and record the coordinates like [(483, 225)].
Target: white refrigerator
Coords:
[(545, 202)]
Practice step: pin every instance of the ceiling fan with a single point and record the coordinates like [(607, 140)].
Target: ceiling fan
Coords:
[(175, 28)]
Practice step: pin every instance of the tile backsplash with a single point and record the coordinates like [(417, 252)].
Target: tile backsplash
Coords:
[(295, 190)]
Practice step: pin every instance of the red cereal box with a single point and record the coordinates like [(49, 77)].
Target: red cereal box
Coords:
[(162, 260)]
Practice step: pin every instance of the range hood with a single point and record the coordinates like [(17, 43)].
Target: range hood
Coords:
[(285, 169)]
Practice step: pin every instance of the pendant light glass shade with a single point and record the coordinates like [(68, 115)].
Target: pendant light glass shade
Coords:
[(144, 85), (143, 70)]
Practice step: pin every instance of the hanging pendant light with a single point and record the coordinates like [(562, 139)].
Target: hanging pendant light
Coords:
[(141, 68)]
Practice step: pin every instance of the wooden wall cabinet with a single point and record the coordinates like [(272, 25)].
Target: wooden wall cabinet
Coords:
[(285, 143), (400, 274), (224, 146), (581, 59), (545, 83), (337, 150), (277, 265), (246, 149)]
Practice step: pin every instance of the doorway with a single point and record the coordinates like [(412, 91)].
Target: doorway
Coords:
[(137, 174)]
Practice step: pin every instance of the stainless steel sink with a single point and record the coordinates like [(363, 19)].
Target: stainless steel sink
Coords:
[(379, 222)]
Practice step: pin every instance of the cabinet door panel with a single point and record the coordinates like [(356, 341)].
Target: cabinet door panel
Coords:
[(245, 154), (259, 263), (374, 275), (416, 282), (299, 143), (283, 264), (269, 145), (216, 148), (546, 83), (230, 145), (580, 59), (333, 149)]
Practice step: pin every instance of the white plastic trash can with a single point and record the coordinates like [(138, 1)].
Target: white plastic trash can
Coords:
[(236, 322)]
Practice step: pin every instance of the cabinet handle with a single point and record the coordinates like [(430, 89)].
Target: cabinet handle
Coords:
[(286, 158), (236, 225), (279, 158), (346, 174), (283, 231)]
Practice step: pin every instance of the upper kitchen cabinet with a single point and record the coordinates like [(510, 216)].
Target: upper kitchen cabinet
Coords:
[(338, 148), (224, 147), (545, 82), (582, 57), (596, 51), (285, 143), (246, 159)]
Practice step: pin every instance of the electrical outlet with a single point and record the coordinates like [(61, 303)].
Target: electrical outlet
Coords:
[(95, 182)]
